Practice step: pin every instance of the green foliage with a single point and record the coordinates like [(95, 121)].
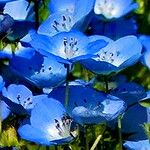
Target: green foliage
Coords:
[(145, 103)]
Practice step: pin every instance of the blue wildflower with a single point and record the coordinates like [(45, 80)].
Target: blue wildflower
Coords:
[(91, 108), (39, 70), (67, 47), (20, 99), (50, 124), (116, 56), (67, 15), (145, 40), (114, 9), (22, 12), (137, 145)]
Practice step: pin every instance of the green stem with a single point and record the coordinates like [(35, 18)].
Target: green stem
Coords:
[(36, 9), (47, 147), (56, 148), (98, 139), (106, 84), (119, 132), (86, 139), (67, 86)]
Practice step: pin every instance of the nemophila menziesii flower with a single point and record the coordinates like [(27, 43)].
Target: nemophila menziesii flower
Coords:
[(22, 13), (111, 9), (145, 40), (137, 145), (66, 15), (67, 47), (91, 108), (116, 56), (41, 71), (20, 99), (114, 29), (130, 92), (49, 124)]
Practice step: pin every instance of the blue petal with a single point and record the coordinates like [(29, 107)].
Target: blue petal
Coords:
[(130, 92), (94, 38), (39, 70), (17, 9), (20, 29), (99, 67), (65, 45), (6, 23), (56, 23), (114, 29), (24, 52), (17, 93), (92, 108), (145, 40), (63, 5), (137, 145), (2, 83), (132, 124), (146, 55), (30, 133), (4, 110), (82, 9), (125, 47), (45, 112)]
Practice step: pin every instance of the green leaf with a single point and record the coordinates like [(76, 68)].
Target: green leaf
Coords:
[(145, 102)]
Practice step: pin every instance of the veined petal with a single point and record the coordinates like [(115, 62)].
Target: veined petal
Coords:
[(56, 23)]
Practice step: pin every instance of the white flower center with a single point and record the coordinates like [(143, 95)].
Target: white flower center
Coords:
[(69, 48), (61, 129), (104, 7)]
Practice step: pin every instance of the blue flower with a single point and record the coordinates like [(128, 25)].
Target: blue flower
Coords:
[(114, 29), (133, 120), (114, 9), (137, 145), (91, 108), (130, 92), (39, 70), (67, 15), (20, 99), (50, 124), (67, 47), (22, 12), (116, 56), (145, 40)]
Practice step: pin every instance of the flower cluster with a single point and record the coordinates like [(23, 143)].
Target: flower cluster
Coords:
[(66, 73)]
